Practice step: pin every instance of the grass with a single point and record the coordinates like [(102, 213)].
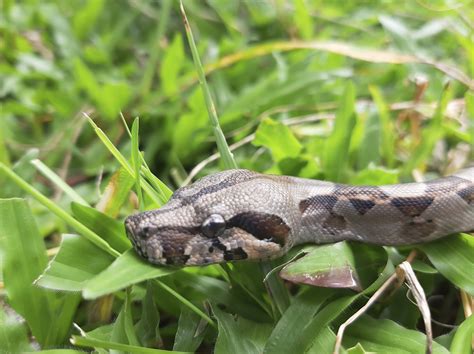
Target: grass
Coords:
[(354, 93)]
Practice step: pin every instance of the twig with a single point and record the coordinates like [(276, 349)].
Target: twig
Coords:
[(392, 279), (420, 297)]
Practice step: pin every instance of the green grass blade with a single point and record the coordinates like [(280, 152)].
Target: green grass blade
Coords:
[(97, 343), (222, 147), (152, 64), (388, 142), (430, 135), (136, 161), (56, 180), (157, 198), (336, 149)]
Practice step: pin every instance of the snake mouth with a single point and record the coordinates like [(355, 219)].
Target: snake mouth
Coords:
[(134, 234)]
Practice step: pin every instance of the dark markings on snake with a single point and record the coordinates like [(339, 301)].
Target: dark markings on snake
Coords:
[(362, 205), (192, 230), (262, 226), (360, 192), (412, 206), (318, 202), (217, 244), (335, 223), (444, 185), (467, 194), (230, 181), (235, 254), (419, 228), (177, 259)]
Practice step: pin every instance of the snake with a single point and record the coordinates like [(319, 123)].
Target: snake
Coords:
[(241, 214)]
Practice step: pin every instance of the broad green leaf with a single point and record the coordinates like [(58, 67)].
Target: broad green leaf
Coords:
[(278, 138), (452, 257), (462, 340), (190, 332), (109, 229), (239, 335), (385, 336), (24, 258), (77, 261), (336, 149), (126, 270), (13, 335)]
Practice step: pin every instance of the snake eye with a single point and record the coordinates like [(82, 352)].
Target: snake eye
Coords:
[(213, 226)]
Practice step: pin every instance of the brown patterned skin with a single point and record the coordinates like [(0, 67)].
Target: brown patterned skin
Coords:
[(240, 214)]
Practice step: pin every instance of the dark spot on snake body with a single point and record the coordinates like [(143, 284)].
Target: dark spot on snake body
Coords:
[(467, 194), (262, 226), (177, 260), (235, 254), (318, 202), (217, 244), (233, 179), (361, 192), (335, 223), (211, 249), (444, 185), (362, 205), (412, 206), (418, 228)]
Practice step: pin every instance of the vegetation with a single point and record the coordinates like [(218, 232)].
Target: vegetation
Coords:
[(354, 92)]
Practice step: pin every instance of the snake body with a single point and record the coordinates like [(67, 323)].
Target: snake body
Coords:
[(240, 214)]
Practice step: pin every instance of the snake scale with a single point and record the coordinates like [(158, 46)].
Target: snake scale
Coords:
[(240, 214)]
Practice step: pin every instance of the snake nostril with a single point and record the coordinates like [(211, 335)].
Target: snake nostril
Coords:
[(143, 233)]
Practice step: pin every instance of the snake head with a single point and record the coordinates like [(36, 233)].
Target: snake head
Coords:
[(222, 217)]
